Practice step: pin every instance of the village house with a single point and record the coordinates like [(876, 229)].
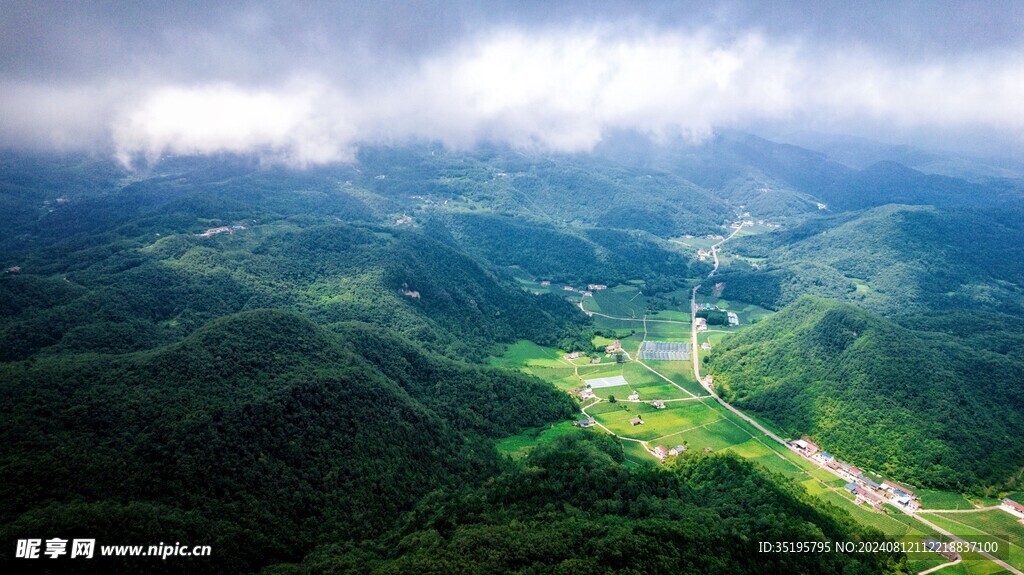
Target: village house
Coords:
[(545, 283), (658, 404), (848, 471), (897, 489), (588, 422), (573, 355), (807, 447), (635, 396), (863, 495), (636, 421), (677, 450), (586, 293), (613, 347), (705, 346), (214, 231), (1012, 507), (587, 393), (13, 269), (661, 452), (568, 288), (733, 318), (701, 323), (900, 497), (824, 457), (596, 287)]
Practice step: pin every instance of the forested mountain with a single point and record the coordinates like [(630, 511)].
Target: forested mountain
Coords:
[(260, 433), (572, 508), (287, 364), (576, 255), (892, 260), (931, 408)]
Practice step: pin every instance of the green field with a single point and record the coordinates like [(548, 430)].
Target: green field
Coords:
[(618, 301), (525, 353), (680, 372), (636, 453), (660, 331), (519, 446), (932, 499), (658, 423), (671, 314)]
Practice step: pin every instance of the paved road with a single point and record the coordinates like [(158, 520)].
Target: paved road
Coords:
[(714, 248), (988, 556)]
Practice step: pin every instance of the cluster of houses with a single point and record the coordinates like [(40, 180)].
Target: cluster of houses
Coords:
[(221, 230), (863, 488), (661, 452), (1012, 507), (702, 324), (572, 289)]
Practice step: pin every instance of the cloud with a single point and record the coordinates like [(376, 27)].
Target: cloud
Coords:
[(294, 124), (543, 88)]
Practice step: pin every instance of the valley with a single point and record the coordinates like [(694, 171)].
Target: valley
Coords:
[(495, 318), (657, 423)]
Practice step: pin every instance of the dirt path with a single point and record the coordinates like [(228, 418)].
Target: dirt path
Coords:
[(943, 566)]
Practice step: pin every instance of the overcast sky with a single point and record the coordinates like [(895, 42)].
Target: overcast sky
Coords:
[(305, 83)]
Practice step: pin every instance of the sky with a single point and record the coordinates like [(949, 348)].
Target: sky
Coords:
[(306, 83)]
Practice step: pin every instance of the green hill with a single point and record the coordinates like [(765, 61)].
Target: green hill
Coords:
[(893, 259), (574, 508), (260, 434), (927, 407)]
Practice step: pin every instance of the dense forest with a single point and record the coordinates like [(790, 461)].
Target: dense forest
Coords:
[(260, 433), (573, 508)]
